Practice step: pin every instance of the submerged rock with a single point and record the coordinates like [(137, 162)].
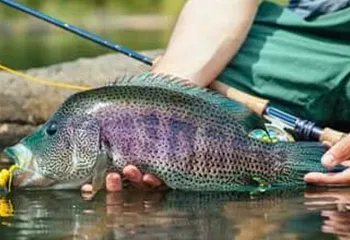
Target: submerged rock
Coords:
[(24, 104)]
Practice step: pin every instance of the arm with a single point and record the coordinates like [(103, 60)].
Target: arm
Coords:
[(206, 37)]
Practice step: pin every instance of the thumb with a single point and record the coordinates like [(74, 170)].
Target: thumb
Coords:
[(338, 153)]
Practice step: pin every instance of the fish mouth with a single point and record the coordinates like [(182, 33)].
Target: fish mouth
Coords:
[(19, 155), (27, 174)]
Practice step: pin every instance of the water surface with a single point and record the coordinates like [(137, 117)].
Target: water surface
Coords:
[(309, 214)]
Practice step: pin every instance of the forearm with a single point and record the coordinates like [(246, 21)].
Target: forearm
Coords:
[(207, 35)]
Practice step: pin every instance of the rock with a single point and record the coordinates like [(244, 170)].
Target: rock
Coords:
[(25, 104), (14, 132)]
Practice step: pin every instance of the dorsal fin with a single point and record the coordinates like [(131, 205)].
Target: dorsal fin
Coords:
[(177, 84), (246, 117)]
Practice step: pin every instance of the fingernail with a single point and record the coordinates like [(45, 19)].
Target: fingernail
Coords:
[(116, 177), (113, 183), (307, 177), (131, 175), (328, 160), (86, 188), (151, 181)]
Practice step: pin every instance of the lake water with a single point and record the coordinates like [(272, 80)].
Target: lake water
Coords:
[(309, 214)]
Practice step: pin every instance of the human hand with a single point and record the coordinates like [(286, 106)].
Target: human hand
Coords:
[(338, 154), (134, 175)]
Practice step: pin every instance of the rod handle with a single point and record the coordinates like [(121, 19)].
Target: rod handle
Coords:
[(331, 136), (256, 104)]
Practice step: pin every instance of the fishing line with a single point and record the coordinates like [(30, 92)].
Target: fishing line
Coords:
[(45, 82)]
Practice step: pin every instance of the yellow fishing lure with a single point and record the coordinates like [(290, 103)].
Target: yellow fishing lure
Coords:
[(6, 177)]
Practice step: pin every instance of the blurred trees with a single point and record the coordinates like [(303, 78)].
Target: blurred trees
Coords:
[(81, 8)]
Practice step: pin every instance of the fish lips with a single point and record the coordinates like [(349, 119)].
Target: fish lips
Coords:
[(19, 155), (27, 175)]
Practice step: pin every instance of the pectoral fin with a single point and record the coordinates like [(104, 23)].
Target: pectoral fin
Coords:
[(262, 187), (99, 174)]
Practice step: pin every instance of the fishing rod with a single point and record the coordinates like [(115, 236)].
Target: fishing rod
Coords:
[(306, 129)]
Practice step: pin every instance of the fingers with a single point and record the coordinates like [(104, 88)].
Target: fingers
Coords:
[(152, 181), (338, 179), (133, 174), (86, 188), (338, 153), (346, 163), (114, 182), (147, 181)]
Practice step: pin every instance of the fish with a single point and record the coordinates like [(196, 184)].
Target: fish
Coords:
[(192, 138)]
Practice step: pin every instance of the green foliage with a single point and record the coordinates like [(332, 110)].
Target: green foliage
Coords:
[(77, 8), (23, 49)]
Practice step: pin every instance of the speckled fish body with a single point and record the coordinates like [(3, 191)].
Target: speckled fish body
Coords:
[(192, 138)]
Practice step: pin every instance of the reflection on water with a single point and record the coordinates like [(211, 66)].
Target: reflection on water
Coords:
[(320, 214)]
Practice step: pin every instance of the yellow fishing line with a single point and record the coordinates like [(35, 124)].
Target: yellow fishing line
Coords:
[(6, 174), (12, 168), (44, 81)]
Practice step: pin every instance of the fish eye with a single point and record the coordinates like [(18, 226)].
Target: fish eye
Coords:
[(51, 129)]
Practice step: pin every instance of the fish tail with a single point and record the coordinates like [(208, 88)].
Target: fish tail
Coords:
[(306, 156), (302, 158)]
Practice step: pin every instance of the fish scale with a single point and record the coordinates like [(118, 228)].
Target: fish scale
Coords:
[(206, 172), (192, 138)]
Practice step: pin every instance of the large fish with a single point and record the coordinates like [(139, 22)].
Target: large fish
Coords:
[(190, 137)]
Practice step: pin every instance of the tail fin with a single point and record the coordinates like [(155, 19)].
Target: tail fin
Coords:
[(302, 158), (305, 156)]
